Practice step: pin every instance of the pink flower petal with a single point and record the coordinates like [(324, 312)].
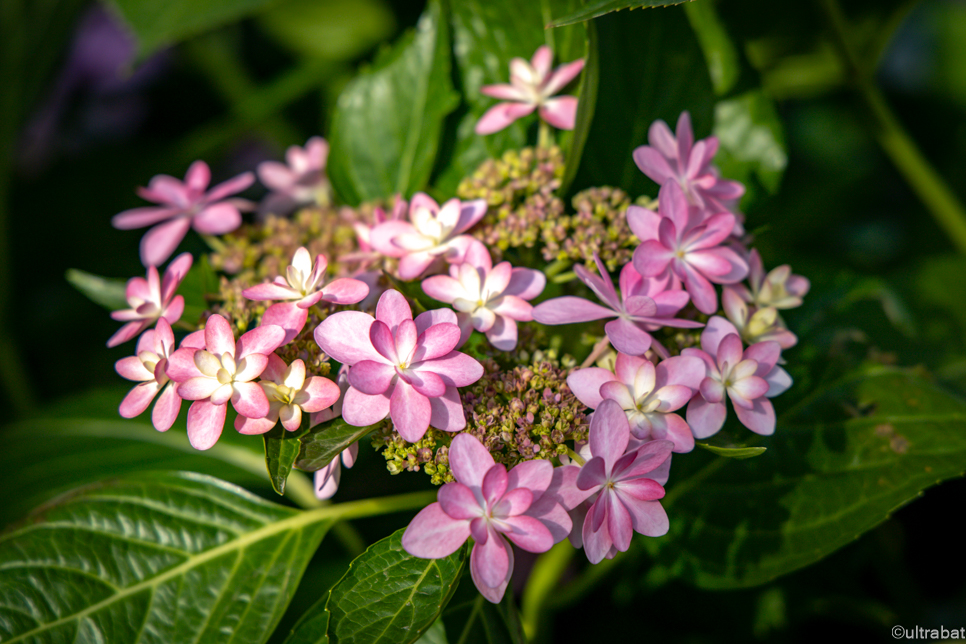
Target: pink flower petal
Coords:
[(490, 562), (370, 377), (217, 219), (345, 290), (249, 400), (361, 410), (427, 383), (570, 310), (141, 217), (392, 309), (159, 242), (433, 317), (501, 116), (533, 475), (205, 422), (219, 338), (628, 337), (456, 369), (288, 316), (270, 291), (260, 340), (525, 283), (562, 76), (470, 213), (138, 399), (560, 112), (230, 187), (459, 502), (760, 418), (592, 475), (345, 337), (433, 534), (494, 484), (705, 418), (410, 411), (173, 274), (436, 342), (255, 426), (647, 517), (609, 432), (469, 460), (529, 533), (447, 411), (167, 408), (503, 333), (504, 92), (321, 393), (585, 383), (596, 543), (493, 594)]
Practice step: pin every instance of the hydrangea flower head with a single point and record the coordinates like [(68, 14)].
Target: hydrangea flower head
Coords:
[(687, 163), (491, 505), (399, 367), (432, 232), (289, 394), (532, 84), (489, 299), (223, 370), (302, 181), (151, 299), (184, 205)]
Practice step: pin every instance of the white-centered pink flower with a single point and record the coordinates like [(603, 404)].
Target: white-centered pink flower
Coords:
[(779, 288), (627, 494), (303, 286), (301, 182), (289, 394), (184, 205), (399, 367), (675, 241), (749, 378), (648, 395), (687, 163), (489, 299), (488, 503), (532, 87), (755, 324), (223, 370), (367, 255), (643, 305), (432, 232), (148, 368), (151, 299)]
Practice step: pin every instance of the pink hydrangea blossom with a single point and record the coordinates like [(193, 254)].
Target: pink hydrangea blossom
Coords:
[(299, 183), (647, 394), (367, 255), (399, 367), (184, 205), (151, 299), (676, 242), (300, 289), (644, 305), (488, 503), (749, 378), (148, 368), (778, 289), (755, 325), (532, 84), (489, 299), (432, 232), (627, 498), (688, 164), (289, 394), (223, 370)]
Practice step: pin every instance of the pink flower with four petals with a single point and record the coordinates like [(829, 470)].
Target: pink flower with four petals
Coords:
[(532, 84)]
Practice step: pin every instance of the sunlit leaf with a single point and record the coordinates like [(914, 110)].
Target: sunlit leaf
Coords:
[(326, 441), (602, 7), (105, 291)]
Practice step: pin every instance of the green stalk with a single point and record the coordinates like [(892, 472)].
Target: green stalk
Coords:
[(544, 581), (925, 181)]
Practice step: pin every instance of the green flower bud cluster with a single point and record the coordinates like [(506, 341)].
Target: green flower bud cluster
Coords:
[(599, 226), (519, 189), (430, 454)]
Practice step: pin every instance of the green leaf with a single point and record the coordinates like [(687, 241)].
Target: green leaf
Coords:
[(281, 449), (312, 627), (82, 444), (487, 35), (198, 285), (325, 441), (719, 52), (589, 81), (105, 291), (436, 634), (602, 7), (387, 123), (838, 465), (471, 619), (330, 29), (665, 76), (155, 557), (733, 452), (752, 141), (160, 24), (387, 596)]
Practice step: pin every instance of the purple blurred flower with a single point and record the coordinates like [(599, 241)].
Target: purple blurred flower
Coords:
[(299, 183)]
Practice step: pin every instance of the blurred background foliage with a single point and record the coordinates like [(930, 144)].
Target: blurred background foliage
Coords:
[(93, 105)]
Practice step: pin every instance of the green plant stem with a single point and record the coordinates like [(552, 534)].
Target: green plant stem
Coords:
[(925, 181), (544, 135), (544, 581), (575, 590)]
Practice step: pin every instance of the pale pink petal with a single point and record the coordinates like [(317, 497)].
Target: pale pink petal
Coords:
[(702, 292), (327, 480), (433, 534), (652, 163), (219, 338), (287, 316), (628, 337), (459, 502), (345, 337), (456, 369), (778, 382), (504, 92), (381, 236), (502, 115), (144, 216), (159, 242), (648, 517), (652, 258), (276, 176), (271, 291), (503, 334), (494, 484), (660, 136), (291, 417), (688, 371), (490, 561), (562, 76), (361, 410), (173, 274), (138, 399), (529, 533), (729, 350), (433, 317), (260, 340), (133, 369), (198, 388), (205, 422), (470, 213), (677, 431), (427, 383), (514, 307), (469, 460), (447, 411), (217, 219), (609, 432), (533, 475), (383, 341), (586, 383), (596, 543), (747, 389), (619, 393), (167, 408), (181, 365), (592, 475), (560, 112), (413, 265), (705, 418), (392, 309), (317, 394), (766, 354), (230, 187), (525, 283), (514, 502), (443, 288), (685, 135), (249, 400), (715, 331), (410, 411), (255, 426), (618, 521), (345, 290), (435, 342), (569, 310)]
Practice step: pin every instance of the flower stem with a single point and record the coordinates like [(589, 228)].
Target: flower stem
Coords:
[(545, 136), (574, 456), (544, 580), (925, 181)]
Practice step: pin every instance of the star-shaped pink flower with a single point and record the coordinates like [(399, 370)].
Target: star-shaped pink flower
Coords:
[(151, 299)]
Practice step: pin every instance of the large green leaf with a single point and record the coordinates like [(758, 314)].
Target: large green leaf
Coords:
[(387, 597), (329, 29), (665, 76), (159, 24), (752, 140), (76, 442), (387, 123), (838, 465), (156, 557), (105, 291), (487, 35), (719, 51), (602, 7), (326, 441)]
